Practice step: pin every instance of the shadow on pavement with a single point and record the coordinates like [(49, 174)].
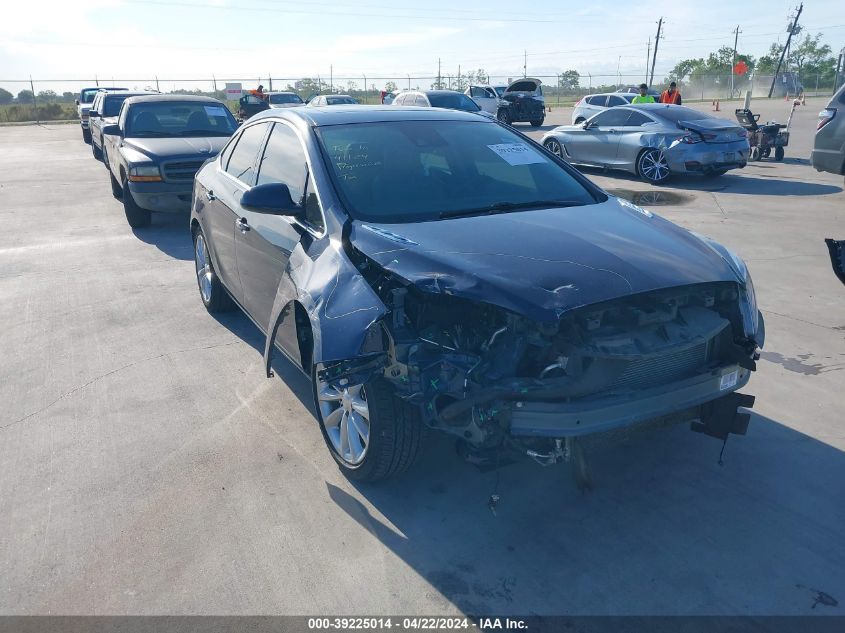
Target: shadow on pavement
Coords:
[(732, 182), (240, 325), (169, 233), (666, 530)]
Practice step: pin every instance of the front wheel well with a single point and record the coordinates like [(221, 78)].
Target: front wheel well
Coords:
[(304, 336)]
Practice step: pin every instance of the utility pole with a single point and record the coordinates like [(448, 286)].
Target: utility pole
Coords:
[(525, 63), (733, 63), (459, 76), (331, 79), (839, 69), (270, 81), (647, 58), (783, 52), (656, 44), (438, 76), (34, 102)]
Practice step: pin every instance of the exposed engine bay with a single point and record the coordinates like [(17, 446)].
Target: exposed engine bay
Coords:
[(475, 369)]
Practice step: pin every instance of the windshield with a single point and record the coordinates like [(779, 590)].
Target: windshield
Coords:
[(290, 98), (179, 118), (87, 96), (111, 107), (500, 90), (409, 171), (340, 101), (457, 101)]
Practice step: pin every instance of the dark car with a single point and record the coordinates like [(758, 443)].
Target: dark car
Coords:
[(83, 106), (157, 146), (250, 105), (434, 269), (523, 102), (104, 111), (829, 144)]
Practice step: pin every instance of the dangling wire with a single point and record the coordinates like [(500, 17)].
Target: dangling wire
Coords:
[(722, 452)]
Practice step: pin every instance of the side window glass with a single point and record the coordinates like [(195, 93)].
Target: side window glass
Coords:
[(611, 117), (615, 101), (421, 101), (636, 119), (242, 160), (284, 161)]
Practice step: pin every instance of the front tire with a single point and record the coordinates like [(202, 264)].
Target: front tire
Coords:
[(504, 117), (212, 293), (86, 135), (554, 146), (136, 216), (779, 152), (370, 433), (652, 166), (537, 123), (98, 153)]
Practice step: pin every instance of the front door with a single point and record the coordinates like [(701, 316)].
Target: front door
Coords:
[(264, 242), (597, 144)]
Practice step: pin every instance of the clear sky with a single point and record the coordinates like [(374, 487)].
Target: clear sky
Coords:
[(139, 39)]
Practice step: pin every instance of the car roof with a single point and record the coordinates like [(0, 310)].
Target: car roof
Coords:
[(342, 114), (154, 97), (281, 92), (132, 93)]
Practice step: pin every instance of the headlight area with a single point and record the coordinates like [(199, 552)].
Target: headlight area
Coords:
[(144, 173)]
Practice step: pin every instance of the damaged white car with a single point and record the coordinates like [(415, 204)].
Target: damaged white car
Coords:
[(430, 269)]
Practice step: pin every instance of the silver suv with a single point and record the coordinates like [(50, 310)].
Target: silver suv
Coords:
[(829, 148)]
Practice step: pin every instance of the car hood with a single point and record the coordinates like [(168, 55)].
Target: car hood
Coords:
[(542, 263), (162, 148), (526, 84)]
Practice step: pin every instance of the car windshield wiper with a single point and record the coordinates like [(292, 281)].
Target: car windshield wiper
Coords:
[(504, 207)]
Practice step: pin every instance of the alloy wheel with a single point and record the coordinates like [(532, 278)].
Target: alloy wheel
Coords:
[(346, 419), (653, 166), (203, 265), (554, 147)]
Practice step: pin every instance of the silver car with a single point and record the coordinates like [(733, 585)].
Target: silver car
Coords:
[(829, 146), (593, 104), (653, 141)]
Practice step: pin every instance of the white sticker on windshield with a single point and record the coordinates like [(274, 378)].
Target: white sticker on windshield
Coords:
[(215, 110), (517, 153)]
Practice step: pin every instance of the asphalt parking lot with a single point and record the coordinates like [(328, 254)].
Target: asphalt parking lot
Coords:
[(147, 466)]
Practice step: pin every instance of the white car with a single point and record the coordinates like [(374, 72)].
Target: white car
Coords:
[(593, 104), (284, 100), (485, 96)]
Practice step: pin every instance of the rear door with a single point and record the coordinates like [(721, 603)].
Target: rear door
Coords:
[(264, 242), (235, 174)]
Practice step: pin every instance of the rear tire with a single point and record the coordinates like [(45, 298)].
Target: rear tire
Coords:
[(537, 123), (212, 293), (393, 428), (137, 217), (652, 166), (779, 152), (116, 190), (98, 153)]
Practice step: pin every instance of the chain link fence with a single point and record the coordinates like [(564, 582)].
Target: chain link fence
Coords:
[(54, 99)]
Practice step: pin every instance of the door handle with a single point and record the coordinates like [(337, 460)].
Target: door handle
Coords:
[(209, 194), (242, 224)]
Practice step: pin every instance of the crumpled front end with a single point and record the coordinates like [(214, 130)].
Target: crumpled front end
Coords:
[(495, 378)]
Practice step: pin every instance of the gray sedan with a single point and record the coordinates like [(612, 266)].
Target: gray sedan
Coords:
[(653, 141)]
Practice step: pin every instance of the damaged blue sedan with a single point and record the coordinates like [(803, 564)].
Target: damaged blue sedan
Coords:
[(432, 269)]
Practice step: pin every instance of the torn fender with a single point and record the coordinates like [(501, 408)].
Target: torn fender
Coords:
[(340, 304)]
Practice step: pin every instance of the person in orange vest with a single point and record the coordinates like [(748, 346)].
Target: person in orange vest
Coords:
[(259, 92), (671, 95)]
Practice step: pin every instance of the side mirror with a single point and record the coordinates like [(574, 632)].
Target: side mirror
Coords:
[(272, 198), (587, 125), (76, 101), (113, 129), (93, 114)]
